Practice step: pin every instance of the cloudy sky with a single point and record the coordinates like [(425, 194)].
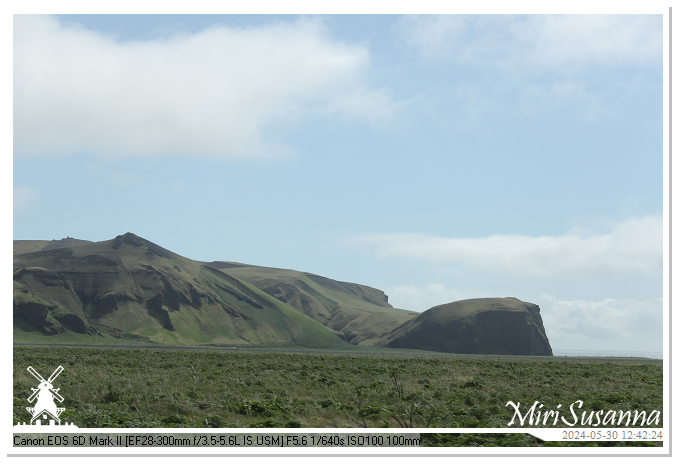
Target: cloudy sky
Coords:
[(434, 157)]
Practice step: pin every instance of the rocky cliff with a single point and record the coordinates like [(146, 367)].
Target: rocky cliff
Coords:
[(482, 325)]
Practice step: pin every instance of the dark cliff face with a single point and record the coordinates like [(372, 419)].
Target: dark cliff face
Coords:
[(478, 326)]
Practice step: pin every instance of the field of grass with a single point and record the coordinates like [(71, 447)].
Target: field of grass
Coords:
[(149, 387)]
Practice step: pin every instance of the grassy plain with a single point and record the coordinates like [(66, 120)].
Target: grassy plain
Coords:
[(152, 387)]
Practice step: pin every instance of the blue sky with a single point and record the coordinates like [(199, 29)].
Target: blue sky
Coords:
[(434, 157)]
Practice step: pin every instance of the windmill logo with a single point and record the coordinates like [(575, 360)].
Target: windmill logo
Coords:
[(45, 408)]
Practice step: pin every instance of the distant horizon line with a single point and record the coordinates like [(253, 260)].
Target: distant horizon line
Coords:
[(621, 352)]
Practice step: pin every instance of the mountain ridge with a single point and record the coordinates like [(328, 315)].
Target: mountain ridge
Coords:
[(133, 285), (130, 287)]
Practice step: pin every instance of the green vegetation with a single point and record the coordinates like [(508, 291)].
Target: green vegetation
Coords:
[(130, 288), (27, 334), (152, 387), (360, 313)]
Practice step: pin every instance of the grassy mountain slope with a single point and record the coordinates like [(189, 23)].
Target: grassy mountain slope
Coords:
[(360, 314), (130, 287)]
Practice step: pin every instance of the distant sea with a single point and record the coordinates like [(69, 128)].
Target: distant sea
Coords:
[(608, 354)]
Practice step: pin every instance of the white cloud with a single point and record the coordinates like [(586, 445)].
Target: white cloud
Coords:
[(609, 324), (434, 36), (541, 66), (634, 245), (23, 198), (563, 41), (213, 93), (421, 298), (572, 40)]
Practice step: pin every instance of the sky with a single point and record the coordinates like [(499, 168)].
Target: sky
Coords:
[(435, 157)]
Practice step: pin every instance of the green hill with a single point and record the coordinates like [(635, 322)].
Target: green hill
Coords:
[(359, 314), (129, 287)]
